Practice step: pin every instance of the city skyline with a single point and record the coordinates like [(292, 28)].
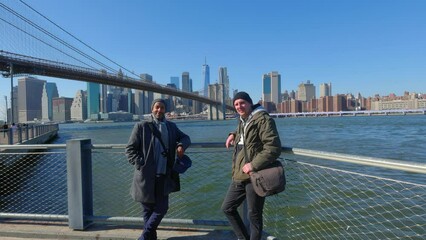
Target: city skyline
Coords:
[(36, 99), (367, 47)]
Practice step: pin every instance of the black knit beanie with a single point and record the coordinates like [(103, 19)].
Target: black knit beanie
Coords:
[(242, 95), (158, 100)]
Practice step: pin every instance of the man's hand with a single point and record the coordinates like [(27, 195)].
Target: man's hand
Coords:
[(247, 168), (180, 151), (229, 140)]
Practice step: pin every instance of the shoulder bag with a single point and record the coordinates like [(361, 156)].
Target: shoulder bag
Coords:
[(268, 181)]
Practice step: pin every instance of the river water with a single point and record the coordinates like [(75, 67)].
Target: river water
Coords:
[(393, 137)]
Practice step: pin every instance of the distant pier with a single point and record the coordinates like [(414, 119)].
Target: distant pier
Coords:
[(352, 113), (29, 134)]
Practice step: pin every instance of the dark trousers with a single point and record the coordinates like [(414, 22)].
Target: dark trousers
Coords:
[(153, 213), (237, 193)]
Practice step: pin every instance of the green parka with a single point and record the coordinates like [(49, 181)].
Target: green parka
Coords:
[(262, 143)]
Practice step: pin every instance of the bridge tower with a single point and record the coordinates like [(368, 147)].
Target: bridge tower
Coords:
[(217, 92)]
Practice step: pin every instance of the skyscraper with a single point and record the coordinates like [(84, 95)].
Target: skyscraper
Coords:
[(30, 91), (206, 78), (186, 87), (306, 91), (104, 95), (146, 96), (185, 82), (93, 96), (61, 109), (50, 91), (325, 89), (175, 81), (224, 79), (103, 98), (79, 106), (139, 102), (271, 87), (14, 108)]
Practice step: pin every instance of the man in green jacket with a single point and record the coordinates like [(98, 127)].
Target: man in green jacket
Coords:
[(258, 132)]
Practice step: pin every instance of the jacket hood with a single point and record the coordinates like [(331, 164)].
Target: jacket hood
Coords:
[(257, 111)]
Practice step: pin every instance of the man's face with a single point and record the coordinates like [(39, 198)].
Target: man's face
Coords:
[(242, 107), (158, 110)]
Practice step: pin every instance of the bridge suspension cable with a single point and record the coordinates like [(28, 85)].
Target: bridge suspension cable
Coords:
[(70, 34), (39, 28), (64, 43), (31, 35)]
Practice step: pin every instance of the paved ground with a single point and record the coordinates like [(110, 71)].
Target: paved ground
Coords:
[(21, 230)]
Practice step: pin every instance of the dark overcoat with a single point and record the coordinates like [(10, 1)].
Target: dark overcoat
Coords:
[(140, 152)]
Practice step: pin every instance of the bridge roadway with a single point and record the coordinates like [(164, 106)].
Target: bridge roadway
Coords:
[(37, 66)]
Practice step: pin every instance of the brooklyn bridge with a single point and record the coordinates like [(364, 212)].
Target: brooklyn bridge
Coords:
[(27, 47)]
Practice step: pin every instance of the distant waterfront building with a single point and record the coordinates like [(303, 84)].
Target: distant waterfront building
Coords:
[(271, 87), (325, 89), (175, 81), (401, 103), (124, 104), (234, 92), (139, 102), (30, 92), (117, 116), (119, 99), (285, 96), (103, 95), (171, 100), (93, 96), (103, 98), (159, 95), (79, 106), (292, 94), (224, 79), (143, 99), (14, 108), (50, 91), (306, 91), (186, 87), (325, 104), (130, 101), (113, 98), (206, 78), (61, 109)]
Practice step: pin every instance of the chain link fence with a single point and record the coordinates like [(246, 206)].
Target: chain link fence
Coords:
[(320, 201)]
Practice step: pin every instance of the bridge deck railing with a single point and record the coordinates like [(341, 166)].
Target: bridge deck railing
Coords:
[(23, 133), (328, 195)]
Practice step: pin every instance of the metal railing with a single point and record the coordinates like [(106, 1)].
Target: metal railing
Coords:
[(25, 133), (374, 199)]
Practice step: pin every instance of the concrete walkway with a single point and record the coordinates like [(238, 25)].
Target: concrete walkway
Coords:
[(21, 230)]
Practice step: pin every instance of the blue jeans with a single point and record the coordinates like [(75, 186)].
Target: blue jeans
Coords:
[(153, 213), (237, 193)]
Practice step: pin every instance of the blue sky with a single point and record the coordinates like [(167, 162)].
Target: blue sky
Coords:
[(360, 46)]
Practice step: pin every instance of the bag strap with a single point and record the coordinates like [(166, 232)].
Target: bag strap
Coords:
[(246, 156), (156, 133)]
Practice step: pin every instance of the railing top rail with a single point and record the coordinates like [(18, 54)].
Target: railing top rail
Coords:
[(33, 146), (363, 160)]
